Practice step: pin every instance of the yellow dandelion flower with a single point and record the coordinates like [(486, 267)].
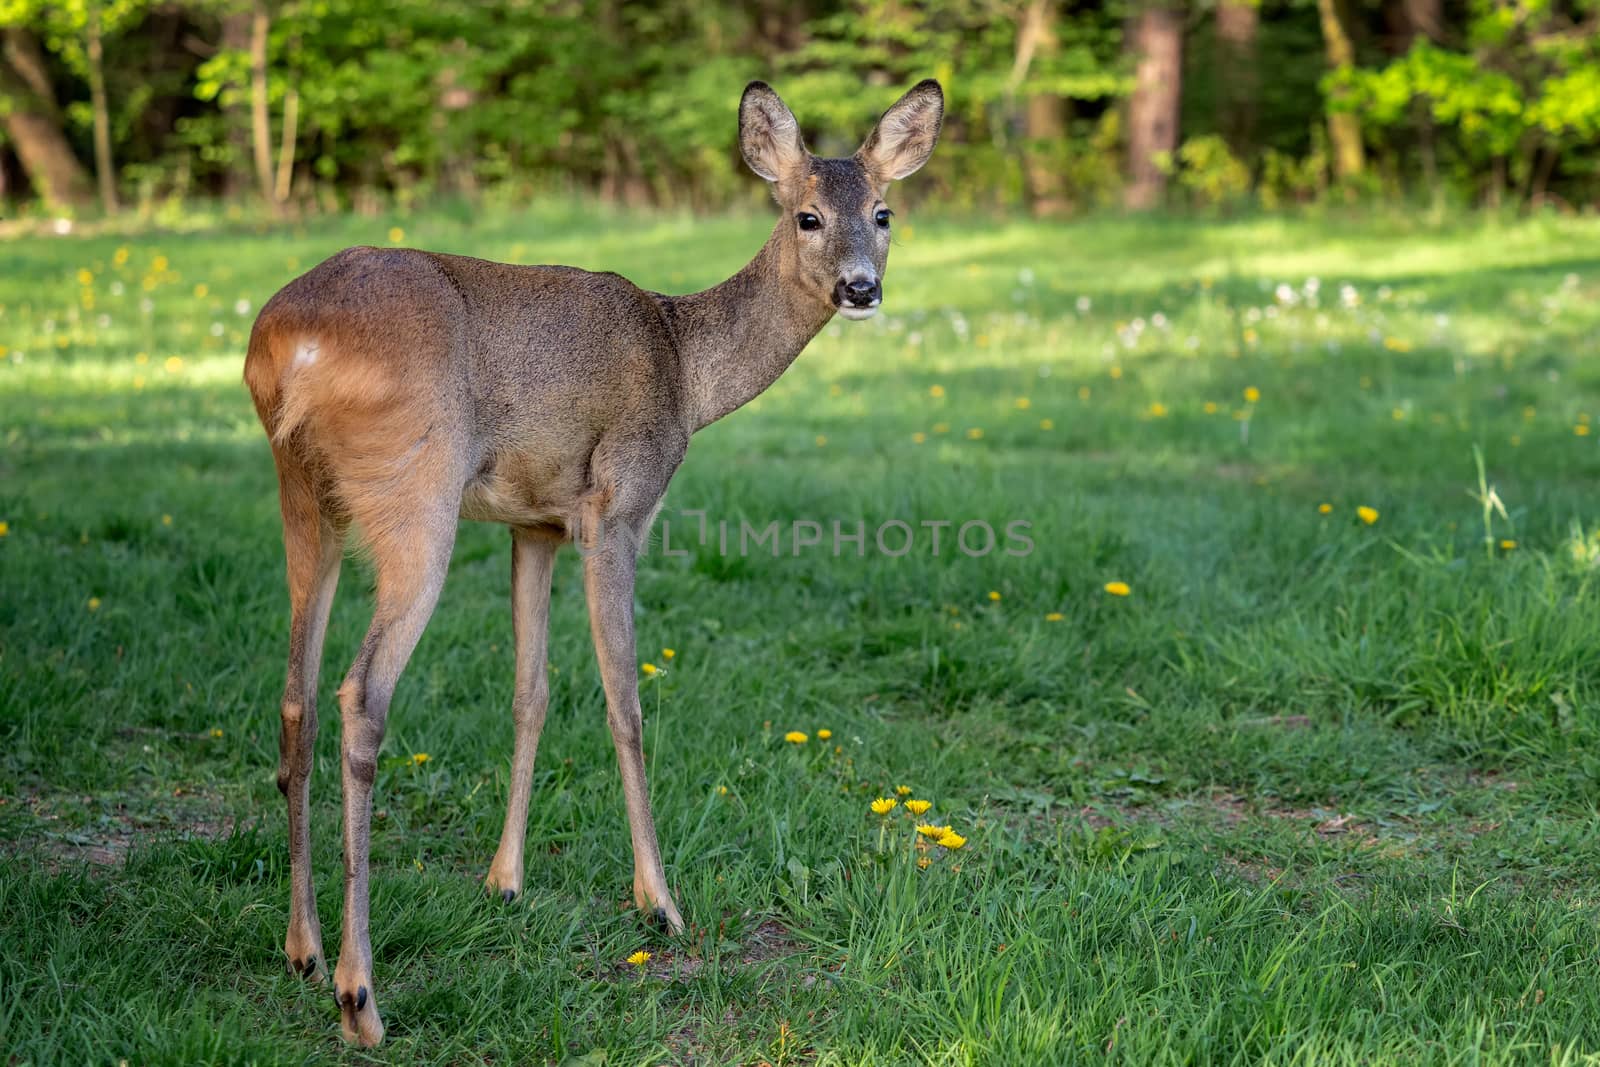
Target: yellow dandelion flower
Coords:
[(1395, 344), (668, 653), (1047, 424), (952, 840), (201, 290), (722, 790), (120, 256), (936, 391), (1582, 429), (1158, 410), (1084, 392), (5, 528), (975, 434), (1398, 414), (941, 427), (94, 603), (1508, 544), (836, 389), (822, 440), (1251, 394), (166, 520), (1368, 515), (884, 805), (85, 277), (824, 734), (935, 832), (918, 807), (1211, 407), (419, 758), (159, 264), (1116, 372), (796, 737), (396, 235), (1324, 509), (216, 731), (918, 438), (173, 365), (1118, 588), (1251, 337), (648, 668), (640, 958), (1023, 403), (1054, 616), (902, 790), (994, 594)]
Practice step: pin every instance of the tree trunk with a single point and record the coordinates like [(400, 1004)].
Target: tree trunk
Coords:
[(105, 169), (1157, 41), (1044, 115), (260, 121), (1423, 18), (33, 124), (1344, 128), (1238, 75), (236, 38)]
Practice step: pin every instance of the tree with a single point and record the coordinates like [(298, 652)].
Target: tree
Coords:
[(1344, 128), (1156, 41), (1044, 114), (1239, 82), (33, 123)]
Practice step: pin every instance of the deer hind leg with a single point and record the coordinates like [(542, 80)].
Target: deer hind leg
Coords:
[(410, 559), (313, 545), (608, 574), (532, 560)]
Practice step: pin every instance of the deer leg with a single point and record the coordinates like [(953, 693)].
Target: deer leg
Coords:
[(313, 547), (608, 583), (411, 564), (532, 560)]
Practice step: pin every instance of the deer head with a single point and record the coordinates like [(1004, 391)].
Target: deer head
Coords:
[(840, 241)]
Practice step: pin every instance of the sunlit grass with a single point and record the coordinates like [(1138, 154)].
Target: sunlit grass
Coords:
[(1236, 778)]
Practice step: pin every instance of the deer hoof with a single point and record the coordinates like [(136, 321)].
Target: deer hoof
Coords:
[(508, 895), (306, 968), (359, 1017)]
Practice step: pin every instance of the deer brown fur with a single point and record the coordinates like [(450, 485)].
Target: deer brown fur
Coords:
[(403, 390)]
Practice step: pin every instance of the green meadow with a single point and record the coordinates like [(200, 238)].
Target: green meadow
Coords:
[(1320, 787)]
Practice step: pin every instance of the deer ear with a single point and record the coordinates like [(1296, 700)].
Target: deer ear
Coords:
[(904, 137), (769, 136)]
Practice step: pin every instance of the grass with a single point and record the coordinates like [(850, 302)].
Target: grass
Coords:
[(1315, 791)]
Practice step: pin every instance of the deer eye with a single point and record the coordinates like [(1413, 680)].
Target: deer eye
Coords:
[(882, 217), (808, 221)]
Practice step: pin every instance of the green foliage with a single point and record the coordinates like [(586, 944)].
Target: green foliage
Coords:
[(1210, 173), (420, 98)]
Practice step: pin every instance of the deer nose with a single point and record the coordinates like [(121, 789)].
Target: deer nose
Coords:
[(857, 292)]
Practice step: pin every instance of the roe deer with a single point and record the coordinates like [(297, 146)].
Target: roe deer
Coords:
[(402, 390)]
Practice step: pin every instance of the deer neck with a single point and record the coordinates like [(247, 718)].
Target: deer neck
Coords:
[(737, 338)]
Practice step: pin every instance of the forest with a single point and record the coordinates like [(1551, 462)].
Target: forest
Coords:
[(1054, 107)]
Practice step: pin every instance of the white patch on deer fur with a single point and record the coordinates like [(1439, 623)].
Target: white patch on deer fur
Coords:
[(305, 354)]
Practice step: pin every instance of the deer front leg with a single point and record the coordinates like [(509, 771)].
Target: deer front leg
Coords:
[(608, 583), (532, 560)]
